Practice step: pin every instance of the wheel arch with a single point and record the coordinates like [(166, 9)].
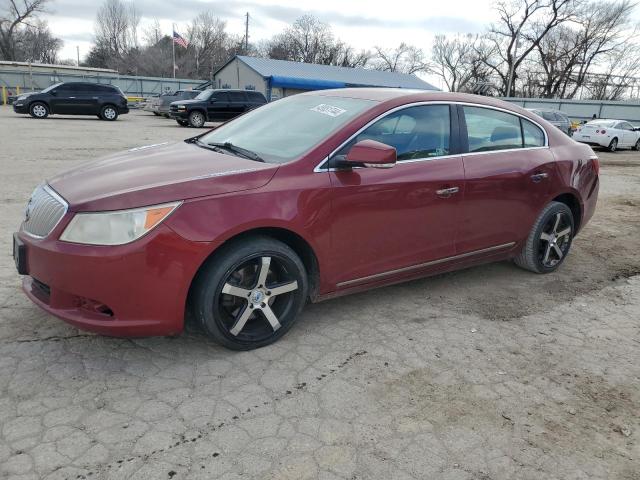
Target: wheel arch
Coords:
[(571, 200), (290, 238)]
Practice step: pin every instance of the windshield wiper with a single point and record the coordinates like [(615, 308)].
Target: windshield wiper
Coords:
[(237, 150)]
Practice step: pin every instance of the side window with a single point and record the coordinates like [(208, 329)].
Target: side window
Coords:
[(66, 87), (489, 129), (626, 126), (533, 135), (255, 97), (237, 97), (415, 132), (549, 116), (219, 97)]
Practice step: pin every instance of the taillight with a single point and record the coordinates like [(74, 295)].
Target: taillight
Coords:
[(602, 131)]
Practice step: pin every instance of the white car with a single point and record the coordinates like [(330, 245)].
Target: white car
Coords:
[(611, 134)]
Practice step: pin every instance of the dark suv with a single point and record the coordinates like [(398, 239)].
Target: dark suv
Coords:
[(74, 98), (215, 106)]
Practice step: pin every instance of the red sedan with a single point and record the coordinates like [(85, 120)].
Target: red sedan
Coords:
[(310, 197)]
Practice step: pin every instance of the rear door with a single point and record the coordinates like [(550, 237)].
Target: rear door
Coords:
[(237, 103), (402, 217), (507, 177), (218, 107)]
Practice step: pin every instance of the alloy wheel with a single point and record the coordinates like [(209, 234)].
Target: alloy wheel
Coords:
[(196, 119), (555, 240), (613, 146), (254, 298), (109, 113), (39, 111)]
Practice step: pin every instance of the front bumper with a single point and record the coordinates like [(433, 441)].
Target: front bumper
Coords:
[(138, 289), (179, 114), (20, 107)]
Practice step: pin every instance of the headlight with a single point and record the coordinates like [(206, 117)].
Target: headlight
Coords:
[(116, 228), (182, 107), (21, 97)]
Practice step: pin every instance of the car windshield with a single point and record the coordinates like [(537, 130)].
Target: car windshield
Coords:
[(283, 130), (204, 95), (51, 87)]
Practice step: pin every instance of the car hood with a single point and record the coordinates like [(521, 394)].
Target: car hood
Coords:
[(190, 101), (156, 174)]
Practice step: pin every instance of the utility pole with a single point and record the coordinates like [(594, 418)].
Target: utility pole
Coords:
[(78, 54), (246, 35), (173, 49)]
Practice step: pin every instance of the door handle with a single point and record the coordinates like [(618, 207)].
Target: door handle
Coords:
[(447, 192), (72, 97), (536, 177)]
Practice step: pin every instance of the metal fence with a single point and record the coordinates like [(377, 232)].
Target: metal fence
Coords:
[(19, 80), (585, 109)]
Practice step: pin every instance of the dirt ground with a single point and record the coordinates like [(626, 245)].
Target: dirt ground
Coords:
[(488, 373)]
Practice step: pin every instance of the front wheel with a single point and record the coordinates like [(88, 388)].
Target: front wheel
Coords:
[(250, 293), (196, 119), (637, 146), (549, 241), (613, 146), (39, 110), (108, 113)]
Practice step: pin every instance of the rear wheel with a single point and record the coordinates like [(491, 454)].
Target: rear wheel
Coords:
[(250, 293), (39, 110), (613, 146), (108, 113), (196, 119), (549, 241)]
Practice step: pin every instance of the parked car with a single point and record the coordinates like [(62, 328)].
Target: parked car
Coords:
[(151, 105), (215, 106), (555, 117), (314, 196), (165, 101), (610, 134), (74, 98)]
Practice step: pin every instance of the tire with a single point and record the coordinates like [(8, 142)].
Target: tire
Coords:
[(242, 279), (613, 146), (196, 119), (38, 110), (549, 241), (156, 114), (636, 147), (109, 113), (183, 123)]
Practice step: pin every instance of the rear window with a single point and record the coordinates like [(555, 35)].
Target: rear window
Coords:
[(237, 97), (256, 97)]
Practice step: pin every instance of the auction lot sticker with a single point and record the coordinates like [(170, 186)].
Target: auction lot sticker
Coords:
[(328, 110)]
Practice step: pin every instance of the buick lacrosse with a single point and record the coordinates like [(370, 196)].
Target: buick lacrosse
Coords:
[(307, 198)]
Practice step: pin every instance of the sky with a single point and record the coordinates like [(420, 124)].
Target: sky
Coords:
[(361, 23)]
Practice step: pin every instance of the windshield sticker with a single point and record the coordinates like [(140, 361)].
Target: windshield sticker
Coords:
[(328, 110)]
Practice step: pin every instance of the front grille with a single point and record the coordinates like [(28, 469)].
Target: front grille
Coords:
[(44, 210)]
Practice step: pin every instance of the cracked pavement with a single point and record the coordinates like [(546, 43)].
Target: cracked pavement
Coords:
[(488, 373)]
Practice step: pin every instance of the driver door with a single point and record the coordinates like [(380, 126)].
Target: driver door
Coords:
[(398, 218)]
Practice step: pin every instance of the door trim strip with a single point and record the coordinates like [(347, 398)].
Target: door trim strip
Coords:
[(424, 265)]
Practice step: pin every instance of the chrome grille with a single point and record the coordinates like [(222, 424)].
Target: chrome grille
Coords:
[(44, 210)]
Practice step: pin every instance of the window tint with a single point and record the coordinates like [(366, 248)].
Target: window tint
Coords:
[(104, 89), (220, 97), (625, 126), (415, 132), (255, 97), (533, 135), (489, 129), (549, 116), (237, 97), (66, 87), (561, 117)]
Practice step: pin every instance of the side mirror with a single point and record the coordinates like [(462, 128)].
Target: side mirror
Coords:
[(54, 92), (372, 154)]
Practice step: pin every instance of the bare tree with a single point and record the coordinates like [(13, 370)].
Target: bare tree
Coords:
[(404, 59), (209, 44), (15, 17), (458, 62), (116, 28), (37, 44)]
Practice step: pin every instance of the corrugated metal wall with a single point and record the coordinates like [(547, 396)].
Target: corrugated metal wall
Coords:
[(39, 78), (584, 109)]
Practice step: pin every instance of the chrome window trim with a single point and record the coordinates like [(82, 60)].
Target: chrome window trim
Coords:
[(320, 169), (59, 198), (419, 266)]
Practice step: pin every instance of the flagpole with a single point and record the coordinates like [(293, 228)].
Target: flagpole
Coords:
[(173, 49)]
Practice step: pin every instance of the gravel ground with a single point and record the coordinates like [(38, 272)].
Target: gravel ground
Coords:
[(488, 373)]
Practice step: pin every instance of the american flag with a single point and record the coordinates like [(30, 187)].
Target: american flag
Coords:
[(180, 40)]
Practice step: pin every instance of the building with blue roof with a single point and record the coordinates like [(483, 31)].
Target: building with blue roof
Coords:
[(281, 78)]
